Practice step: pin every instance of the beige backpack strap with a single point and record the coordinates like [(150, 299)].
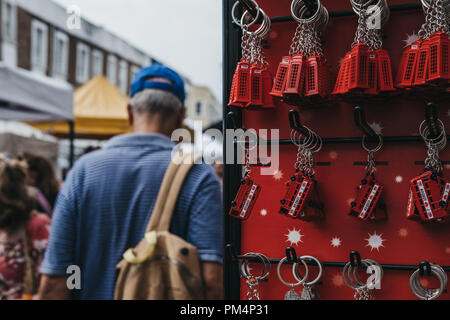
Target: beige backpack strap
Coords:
[(168, 194)]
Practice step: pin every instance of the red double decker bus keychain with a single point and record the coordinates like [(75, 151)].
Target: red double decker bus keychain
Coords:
[(301, 200), (429, 192), (247, 195), (368, 204)]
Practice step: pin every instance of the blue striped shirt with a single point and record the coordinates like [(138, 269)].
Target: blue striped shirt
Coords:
[(105, 205)]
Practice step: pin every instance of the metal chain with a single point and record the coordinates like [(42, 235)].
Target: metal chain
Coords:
[(361, 31), (253, 289), (247, 167), (432, 161), (362, 294), (371, 163), (436, 19), (246, 45)]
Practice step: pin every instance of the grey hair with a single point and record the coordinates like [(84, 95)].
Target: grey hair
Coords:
[(153, 101)]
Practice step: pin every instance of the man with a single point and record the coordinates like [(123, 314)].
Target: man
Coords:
[(107, 199)]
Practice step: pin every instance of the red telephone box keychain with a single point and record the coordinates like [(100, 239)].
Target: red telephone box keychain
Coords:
[(304, 75), (252, 80), (301, 200), (368, 204), (366, 68), (247, 195), (426, 62)]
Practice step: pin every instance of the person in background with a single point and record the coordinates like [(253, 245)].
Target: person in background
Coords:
[(106, 201), (23, 234), (41, 175)]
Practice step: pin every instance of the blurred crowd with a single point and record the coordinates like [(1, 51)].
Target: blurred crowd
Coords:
[(28, 191)]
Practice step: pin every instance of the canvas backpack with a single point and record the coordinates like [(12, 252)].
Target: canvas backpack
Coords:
[(163, 266)]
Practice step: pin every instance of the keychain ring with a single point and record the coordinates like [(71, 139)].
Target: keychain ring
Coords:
[(367, 263), (266, 270), (237, 21), (424, 131), (244, 266), (263, 31), (377, 148), (294, 6), (319, 264), (292, 285), (347, 270), (358, 284), (428, 294)]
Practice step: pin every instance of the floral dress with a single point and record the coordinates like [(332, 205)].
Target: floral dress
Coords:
[(12, 258)]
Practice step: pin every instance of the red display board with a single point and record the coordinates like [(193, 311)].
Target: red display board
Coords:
[(393, 241)]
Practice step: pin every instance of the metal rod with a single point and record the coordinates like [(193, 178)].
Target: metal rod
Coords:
[(335, 264), (342, 140), (349, 13)]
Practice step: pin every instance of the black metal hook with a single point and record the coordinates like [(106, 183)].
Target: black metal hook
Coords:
[(231, 116), (291, 255), (355, 255), (311, 5), (294, 122), (361, 123), (230, 252), (250, 7), (424, 268), (431, 117)]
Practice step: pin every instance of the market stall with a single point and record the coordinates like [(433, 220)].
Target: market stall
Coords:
[(30, 97)]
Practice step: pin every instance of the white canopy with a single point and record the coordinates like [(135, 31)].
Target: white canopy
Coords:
[(27, 96)]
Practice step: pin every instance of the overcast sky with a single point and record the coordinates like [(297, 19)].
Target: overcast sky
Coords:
[(187, 35)]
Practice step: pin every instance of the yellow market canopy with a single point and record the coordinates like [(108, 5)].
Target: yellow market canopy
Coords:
[(100, 110)]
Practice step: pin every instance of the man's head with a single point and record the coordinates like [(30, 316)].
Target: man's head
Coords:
[(157, 101)]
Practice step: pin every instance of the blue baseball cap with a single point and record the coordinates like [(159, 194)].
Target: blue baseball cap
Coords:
[(156, 70)]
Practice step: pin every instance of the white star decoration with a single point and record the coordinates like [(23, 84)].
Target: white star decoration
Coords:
[(263, 212), (336, 242), (294, 237), (398, 179), (411, 38), (376, 127), (278, 175), (375, 241)]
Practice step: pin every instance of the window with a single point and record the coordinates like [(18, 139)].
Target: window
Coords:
[(97, 63), (60, 55), (83, 58), (9, 17), (39, 46), (134, 70), (112, 69), (123, 76), (198, 108)]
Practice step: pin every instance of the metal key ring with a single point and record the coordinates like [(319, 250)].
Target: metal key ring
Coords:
[(319, 264), (267, 266), (347, 271), (358, 284), (292, 285), (243, 266), (368, 263), (237, 21), (312, 19), (424, 131), (377, 148), (428, 294), (266, 262), (264, 30)]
